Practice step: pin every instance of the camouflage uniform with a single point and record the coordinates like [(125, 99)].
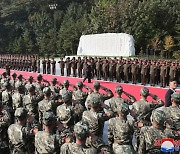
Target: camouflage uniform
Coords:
[(46, 141), (19, 135), (65, 89), (4, 124), (81, 132), (149, 135), (120, 132)]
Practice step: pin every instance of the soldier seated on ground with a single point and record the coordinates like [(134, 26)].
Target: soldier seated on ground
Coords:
[(81, 131)]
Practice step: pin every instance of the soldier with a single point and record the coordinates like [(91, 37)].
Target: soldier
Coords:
[(46, 104), (119, 68), (68, 66), (53, 63), (173, 71), (97, 86), (65, 88), (61, 65), (39, 86), (19, 134), (13, 81), (134, 71), (120, 131), (74, 66), (111, 70), (88, 73), (105, 69), (48, 66), (141, 110), (115, 101), (173, 113), (81, 131), (65, 124), (79, 67), (46, 141), (126, 71), (4, 124), (98, 69), (19, 81), (44, 65), (153, 73), (17, 97), (27, 86), (38, 65), (93, 66), (4, 79), (156, 132), (144, 68), (163, 75), (53, 86)]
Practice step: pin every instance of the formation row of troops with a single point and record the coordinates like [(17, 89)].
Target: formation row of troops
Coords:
[(46, 117)]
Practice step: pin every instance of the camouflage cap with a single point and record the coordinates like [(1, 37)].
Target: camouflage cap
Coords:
[(63, 114), (65, 82), (48, 118), (39, 76), (19, 76), (14, 75), (47, 91), (54, 80), (20, 113), (96, 84), (31, 88), (81, 130), (119, 89), (176, 97), (159, 117), (123, 108), (67, 97), (144, 91), (95, 101), (30, 78), (79, 84)]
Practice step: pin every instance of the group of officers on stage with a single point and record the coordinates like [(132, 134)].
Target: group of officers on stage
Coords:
[(153, 72)]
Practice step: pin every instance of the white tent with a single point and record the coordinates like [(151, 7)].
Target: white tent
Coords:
[(108, 44)]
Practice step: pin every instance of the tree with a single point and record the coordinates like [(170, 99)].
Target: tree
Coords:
[(169, 44)]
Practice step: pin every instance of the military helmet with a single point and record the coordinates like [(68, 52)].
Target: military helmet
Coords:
[(81, 130), (176, 97), (48, 118), (14, 74), (144, 91), (119, 89), (20, 113), (96, 84), (31, 88), (20, 76), (30, 78), (79, 84), (123, 108), (95, 101), (159, 117), (67, 97), (65, 82), (54, 80), (63, 114), (47, 91)]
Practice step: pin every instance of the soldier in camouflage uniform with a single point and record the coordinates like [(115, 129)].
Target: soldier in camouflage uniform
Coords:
[(39, 86), (4, 124), (19, 81), (120, 131), (115, 101), (53, 86), (30, 82), (65, 87), (17, 97), (4, 79), (141, 110), (65, 124), (13, 81), (46, 141), (19, 134), (173, 113), (81, 131), (97, 86), (149, 135)]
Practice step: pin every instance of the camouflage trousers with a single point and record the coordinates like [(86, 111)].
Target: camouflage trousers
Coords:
[(123, 149)]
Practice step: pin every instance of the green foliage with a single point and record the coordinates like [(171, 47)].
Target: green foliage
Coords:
[(176, 55), (29, 26)]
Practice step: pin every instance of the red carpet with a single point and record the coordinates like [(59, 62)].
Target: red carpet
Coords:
[(132, 89)]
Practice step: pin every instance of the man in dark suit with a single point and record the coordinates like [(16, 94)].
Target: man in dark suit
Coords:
[(88, 73), (172, 87)]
